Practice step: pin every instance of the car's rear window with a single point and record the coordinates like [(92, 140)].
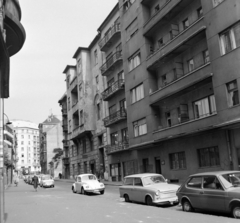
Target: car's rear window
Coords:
[(128, 181), (195, 182), (47, 177)]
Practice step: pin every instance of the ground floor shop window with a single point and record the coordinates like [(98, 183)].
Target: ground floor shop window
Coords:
[(115, 171), (130, 167), (208, 157), (177, 161)]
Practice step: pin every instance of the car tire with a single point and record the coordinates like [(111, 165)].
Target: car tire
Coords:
[(73, 190), (236, 211), (186, 206), (126, 198), (102, 192), (83, 191), (149, 201)]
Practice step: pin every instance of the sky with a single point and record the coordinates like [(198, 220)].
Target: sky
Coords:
[(54, 30)]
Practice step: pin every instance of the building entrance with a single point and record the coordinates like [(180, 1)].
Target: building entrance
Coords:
[(158, 165)]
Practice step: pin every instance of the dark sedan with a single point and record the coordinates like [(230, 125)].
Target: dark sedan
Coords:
[(215, 191)]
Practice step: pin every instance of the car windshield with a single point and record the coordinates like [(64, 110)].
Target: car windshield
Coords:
[(88, 177), (46, 177), (231, 179), (153, 180)]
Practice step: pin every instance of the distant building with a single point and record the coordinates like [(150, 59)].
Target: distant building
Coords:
[(27, 135), (51, 136)]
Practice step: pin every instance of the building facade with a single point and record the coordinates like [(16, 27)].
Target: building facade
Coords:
[(51, 137), (171, 92), (27, 136)]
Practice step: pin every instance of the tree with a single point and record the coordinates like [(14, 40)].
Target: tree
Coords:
[(57, 157)]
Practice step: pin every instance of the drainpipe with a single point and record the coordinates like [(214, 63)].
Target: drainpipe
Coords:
[(229, 149)]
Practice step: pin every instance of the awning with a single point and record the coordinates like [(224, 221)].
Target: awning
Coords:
[(4, 69)]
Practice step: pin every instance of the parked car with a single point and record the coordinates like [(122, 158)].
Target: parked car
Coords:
[(87, 183), (47, 181), (215, 191), (148, 188)]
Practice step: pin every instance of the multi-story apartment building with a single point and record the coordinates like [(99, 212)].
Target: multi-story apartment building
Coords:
[(181, 73), (114, 93), (86, 133), (27, 135), (50, 138)]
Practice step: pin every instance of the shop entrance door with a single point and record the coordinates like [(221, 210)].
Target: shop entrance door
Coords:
[(158, 165)]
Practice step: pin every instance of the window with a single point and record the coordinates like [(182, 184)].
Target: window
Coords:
[(119, 48), (97, 79), (22, 149), (168, 118), (68, 103), (211, 182), (160, 43), (98, 111), (140, 127), (217, 2), (85, 167), (96, 57), (206, 56), (79, 65), (232, 93), (84, 145), (122, 104), (114, 138), (22, 155), (200, 12), (183, 113), (157, 8), (205, 107), (112, 109), (22, 136), (128, 181), (208, 157), (230, 39), (121, 75), (164, 79), (185, 23), (134, 61), (81, 118), (22, 142), (195, 182), (80, 91), (138, 182), (190, 65), (124, 133), (137, 93), (79, 169), (132, 29), (177, 161)]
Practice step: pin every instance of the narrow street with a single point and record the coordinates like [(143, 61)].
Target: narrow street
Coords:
[(59, 204)]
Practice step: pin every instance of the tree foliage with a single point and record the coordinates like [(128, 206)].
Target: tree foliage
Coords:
[(57, 157)]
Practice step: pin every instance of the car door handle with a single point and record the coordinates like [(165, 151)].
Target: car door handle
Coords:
[(201, 192)]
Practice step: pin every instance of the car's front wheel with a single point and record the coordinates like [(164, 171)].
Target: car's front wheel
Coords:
[(126, 198), (186, 206), (83, 191), (102, 192), (236, 211), (149, 201)]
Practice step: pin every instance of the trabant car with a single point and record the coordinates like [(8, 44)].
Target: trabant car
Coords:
[(214, 191), (148, 188), (87, 183)]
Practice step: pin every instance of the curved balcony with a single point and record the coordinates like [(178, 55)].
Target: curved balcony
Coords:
[(15, 33), (113, 35), (178, 44), (113, 61), (114, 88), (120, 146), (115, 117)]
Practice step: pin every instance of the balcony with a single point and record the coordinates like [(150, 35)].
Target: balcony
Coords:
[(64, 111), (167, 11), (120, 146), (65, 127), (184, 40), (114, 88), (65, 143), (66, 161), (80, 131), (190, 126), (111, 62), (113, 35), (115, 117), (181, 83)]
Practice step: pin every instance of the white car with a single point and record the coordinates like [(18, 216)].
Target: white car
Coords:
[(47, 181), (148, 188), (87, 183)]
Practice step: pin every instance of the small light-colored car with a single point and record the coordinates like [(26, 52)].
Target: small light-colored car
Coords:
[(47, 181), (148, 188), (87, 183), (214, 191)]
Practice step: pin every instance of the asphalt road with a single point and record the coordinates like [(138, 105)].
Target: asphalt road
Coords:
[(60, 205)]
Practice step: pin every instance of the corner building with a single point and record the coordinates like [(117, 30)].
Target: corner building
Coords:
[(181, 65)]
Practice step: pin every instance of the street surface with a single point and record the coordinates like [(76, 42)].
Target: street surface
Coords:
[(60, 205)]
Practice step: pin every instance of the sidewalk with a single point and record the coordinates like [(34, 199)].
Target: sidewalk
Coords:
[(103, 181)]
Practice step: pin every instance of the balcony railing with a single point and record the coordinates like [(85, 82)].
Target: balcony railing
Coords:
[(117, 147), (115, 117), (64, 111), (65, 127), (116, 57), (107, 40), (66, 160), (116, 86)]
